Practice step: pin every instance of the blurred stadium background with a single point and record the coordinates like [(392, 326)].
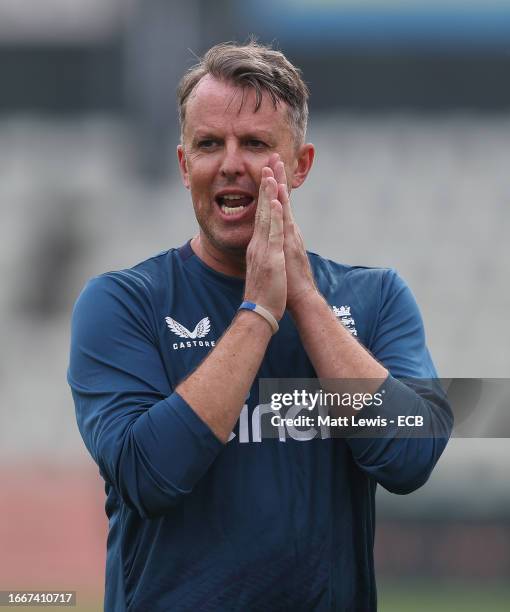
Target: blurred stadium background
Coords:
[(410, 112)]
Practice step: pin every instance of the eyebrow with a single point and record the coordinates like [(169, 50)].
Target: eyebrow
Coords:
[(258, 135)]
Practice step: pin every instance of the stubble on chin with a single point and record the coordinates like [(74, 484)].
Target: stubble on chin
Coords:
[(221, 245), (229, 244), (236, 249), (224, 248)]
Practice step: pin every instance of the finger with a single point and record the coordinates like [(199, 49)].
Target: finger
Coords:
[(268, 191), (279, 173), (276, 229), (274, 158), (261, 199), (283, 192), (283, 196), (267, 171)]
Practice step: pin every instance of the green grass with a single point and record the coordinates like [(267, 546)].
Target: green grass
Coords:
[(419, 597), (409, 597), (428, 597)]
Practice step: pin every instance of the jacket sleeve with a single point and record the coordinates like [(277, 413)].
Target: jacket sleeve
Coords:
[(398, 461), (148, 443)]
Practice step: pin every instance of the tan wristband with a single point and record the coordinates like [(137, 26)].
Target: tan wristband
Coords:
[(260, 310)]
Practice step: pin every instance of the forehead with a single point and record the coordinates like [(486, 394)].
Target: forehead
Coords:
[(217, 104)]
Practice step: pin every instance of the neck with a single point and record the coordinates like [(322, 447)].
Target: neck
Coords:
[(229, 263)]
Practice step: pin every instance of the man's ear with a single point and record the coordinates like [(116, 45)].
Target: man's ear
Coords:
[(304, 161), (183, 165)]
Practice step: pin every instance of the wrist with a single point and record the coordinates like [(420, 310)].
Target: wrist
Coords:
[(304, 301), (261, 312), (254, 324)]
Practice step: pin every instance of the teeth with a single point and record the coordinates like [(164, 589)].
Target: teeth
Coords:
[(231, 210), (232, 197)]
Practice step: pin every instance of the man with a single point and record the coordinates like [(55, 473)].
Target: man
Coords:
[(204, 513)]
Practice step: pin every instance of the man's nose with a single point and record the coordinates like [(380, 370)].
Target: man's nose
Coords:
[(232, 163)]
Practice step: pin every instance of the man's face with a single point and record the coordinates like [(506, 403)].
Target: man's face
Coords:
[(225, 146)]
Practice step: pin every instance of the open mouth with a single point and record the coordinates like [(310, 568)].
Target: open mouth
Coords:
[(233, 204)]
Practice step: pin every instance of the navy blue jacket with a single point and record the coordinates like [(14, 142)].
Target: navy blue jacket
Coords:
[(254, 524)]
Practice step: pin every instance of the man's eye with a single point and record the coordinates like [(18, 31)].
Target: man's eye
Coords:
[(256, 144), (208, 143)]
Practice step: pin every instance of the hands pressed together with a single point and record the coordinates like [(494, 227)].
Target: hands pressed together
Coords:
[(278, 273)]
